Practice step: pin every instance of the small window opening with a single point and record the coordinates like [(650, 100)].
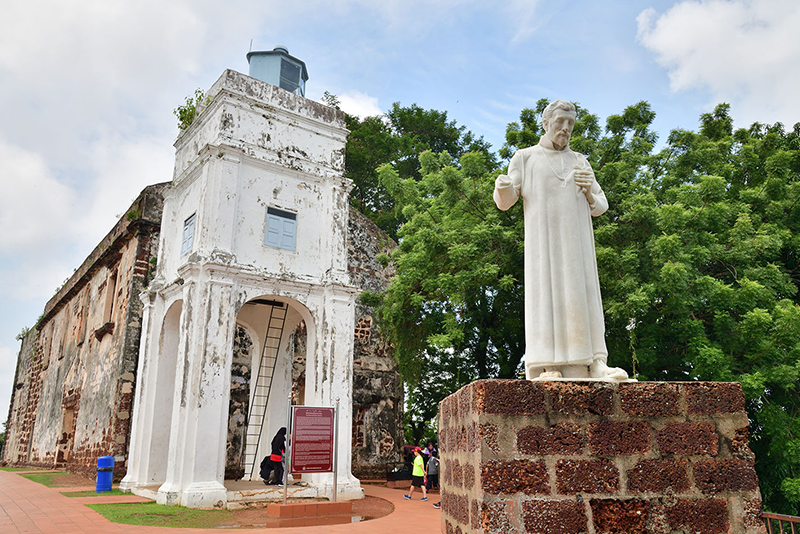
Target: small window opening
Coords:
[(111, 289), (281, 229), (188, 235), (290, 77)]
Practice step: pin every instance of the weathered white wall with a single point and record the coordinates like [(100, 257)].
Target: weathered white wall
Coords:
[(76, 386), (253, 146)]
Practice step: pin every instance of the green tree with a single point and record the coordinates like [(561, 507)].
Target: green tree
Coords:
[(699, 260), (454, 309), (188, 111), (397, 138), (699, 266)]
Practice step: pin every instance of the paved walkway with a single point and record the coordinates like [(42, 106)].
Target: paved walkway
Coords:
[(28, 507)]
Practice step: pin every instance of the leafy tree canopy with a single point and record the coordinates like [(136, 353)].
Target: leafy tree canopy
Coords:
[(397, 138), (698, 256)]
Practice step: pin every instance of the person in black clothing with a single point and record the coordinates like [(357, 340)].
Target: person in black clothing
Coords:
[(272, 462)]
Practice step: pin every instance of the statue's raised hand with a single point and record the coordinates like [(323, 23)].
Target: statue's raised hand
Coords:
[(584, 178)]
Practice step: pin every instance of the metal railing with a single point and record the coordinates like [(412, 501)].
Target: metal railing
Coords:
[(787, 524)]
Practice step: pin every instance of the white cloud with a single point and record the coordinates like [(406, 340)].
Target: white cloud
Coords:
[(743, 52), (32, 201), (359, 104), (524, 18), (122, 168)]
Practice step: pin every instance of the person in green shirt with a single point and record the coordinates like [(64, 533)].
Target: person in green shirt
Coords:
[(418, 476)]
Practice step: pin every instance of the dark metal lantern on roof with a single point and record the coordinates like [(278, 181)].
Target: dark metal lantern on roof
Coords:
[(279, 68)]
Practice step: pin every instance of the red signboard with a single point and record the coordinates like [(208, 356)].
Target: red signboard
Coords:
[(312, 440)]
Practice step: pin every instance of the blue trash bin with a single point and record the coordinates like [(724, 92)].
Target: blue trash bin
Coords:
[(105, 473)]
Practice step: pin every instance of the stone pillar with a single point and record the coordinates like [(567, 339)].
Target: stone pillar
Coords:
[(142, 406), (329, 375), (196, 462), (596, 457)]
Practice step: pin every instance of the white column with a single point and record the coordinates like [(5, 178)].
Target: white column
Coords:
[(142, 409), (207, 430), (170, 491), (333, 378)]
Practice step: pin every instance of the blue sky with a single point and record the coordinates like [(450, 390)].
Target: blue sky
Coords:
[(87, 89)]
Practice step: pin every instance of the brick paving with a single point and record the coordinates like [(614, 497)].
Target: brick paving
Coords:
[(29, 507)]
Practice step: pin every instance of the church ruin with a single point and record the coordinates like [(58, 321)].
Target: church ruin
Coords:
[(215, 301)]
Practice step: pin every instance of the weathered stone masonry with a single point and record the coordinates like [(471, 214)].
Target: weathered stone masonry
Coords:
[(571, 457), (377, 389), (94, 429), (75, 373)]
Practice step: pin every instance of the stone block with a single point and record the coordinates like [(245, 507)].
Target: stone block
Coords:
[(659, 476), (508, 397), (650, 399), (495, 518), (563, 438), (612, 438), (752, 512), (740, 444), (456, 506), (554, 517), (701, 516), (612, 516), (713, 398), (516, 476), (489, 435), (717, 476), (586, 476), (585, 398), (685, 439)]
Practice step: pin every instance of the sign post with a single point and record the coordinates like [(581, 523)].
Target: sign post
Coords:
[(312, 439), (288, 452), (312, 443), (335, 449)]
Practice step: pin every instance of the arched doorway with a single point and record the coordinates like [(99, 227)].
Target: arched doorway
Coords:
[(164, 395), (268, 367)]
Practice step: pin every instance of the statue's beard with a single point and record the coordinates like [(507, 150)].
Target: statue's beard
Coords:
[(560, 141)]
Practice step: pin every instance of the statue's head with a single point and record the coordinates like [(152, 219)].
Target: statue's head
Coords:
[(558, 120)]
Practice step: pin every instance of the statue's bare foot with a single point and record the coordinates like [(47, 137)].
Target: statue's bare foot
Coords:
[(547, 375), (541, 373), (599, 369)]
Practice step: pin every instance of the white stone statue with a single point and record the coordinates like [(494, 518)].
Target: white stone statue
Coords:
[(564, 326)]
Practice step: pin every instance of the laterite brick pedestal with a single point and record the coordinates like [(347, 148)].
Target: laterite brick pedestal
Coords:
[(596, 457)]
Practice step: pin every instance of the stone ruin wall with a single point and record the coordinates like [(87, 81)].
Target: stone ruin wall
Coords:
[(377, 433), (75, 381), (377, 388), (593, 457), (74, 385), (239, 402)]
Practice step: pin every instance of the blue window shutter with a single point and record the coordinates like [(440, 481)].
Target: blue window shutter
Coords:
[(273, 235), (281, 229), (188, 235), (288, 234)]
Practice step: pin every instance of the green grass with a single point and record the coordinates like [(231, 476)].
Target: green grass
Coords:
[(13, 469), (92, 493), (158, 515), (53, 480), (46, 479)]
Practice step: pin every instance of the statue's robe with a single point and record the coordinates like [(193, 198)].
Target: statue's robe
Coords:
[(563, 310)]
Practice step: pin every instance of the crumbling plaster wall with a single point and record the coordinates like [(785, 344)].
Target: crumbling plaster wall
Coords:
[(377, 389), (75, 379), (254, 146)]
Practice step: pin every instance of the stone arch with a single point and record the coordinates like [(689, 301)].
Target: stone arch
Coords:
[(164, 394), (267, 414)]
